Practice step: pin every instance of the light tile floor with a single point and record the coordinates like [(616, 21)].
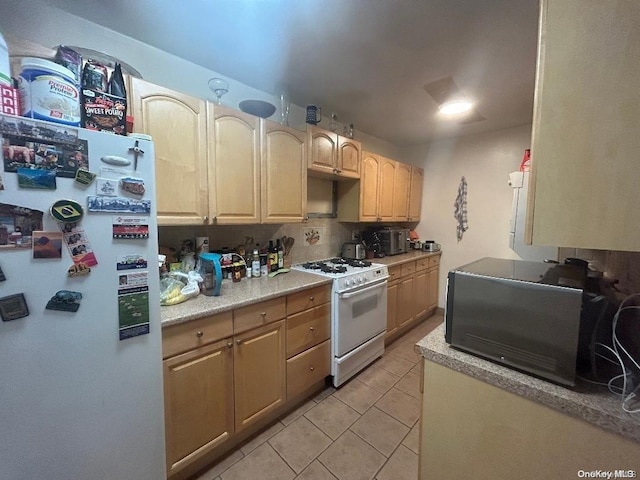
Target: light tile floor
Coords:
[(367, 429)]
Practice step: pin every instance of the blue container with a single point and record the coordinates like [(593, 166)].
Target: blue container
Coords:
[(211, 273)]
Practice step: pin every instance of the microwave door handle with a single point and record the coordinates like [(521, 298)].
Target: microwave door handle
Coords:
[(363, 290)]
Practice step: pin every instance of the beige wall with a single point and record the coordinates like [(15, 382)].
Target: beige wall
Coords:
[(485, 160)]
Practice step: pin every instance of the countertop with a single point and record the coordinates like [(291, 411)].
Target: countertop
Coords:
[(253, 290), (590, 403)]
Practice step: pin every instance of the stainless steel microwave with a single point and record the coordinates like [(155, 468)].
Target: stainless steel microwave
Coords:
[(525, 315), (394, 241)]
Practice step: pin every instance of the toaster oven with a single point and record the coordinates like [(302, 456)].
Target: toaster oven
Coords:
[(394, 241)]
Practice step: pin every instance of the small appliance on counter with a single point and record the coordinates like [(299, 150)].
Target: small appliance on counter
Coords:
[(430, 246), (394, 240), (353, 250)]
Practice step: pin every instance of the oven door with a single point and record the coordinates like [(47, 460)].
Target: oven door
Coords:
[(361, 314)]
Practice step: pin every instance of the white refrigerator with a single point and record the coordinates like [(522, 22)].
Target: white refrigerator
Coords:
[(81, 394)]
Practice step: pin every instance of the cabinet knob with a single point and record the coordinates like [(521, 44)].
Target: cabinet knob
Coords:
[(230, 345), (311, 298), (312, 368), (312, 328), (205, 218), (264, 314), (199, 334), (238, 342)]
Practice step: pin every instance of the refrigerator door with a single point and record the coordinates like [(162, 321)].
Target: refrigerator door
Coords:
[(77, 401)]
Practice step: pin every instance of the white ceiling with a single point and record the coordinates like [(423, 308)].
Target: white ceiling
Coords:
[(365, 60)]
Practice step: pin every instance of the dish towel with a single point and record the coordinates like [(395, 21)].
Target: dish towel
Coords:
[(460, 209)]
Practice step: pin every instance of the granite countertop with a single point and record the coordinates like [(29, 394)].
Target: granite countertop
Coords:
[(590, 403), (235, 295), (253, 290)]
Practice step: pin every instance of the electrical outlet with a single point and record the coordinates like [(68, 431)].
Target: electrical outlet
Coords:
[(355, 235)]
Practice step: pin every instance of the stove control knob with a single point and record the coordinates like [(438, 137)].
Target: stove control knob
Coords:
[(347, 282), (360, 279)]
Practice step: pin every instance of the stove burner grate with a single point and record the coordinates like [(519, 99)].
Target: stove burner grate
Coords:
[(333, 268)]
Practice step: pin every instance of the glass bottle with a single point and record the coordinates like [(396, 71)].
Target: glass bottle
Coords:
[(280, 251), (255, 264), (273, 257)]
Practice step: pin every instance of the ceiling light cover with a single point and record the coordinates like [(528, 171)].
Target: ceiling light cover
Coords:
[(455, 107)]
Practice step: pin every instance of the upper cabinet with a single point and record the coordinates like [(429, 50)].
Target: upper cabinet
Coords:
[(217, 165), (284, 174), (401, 186), (585, 144), (234, 185), (178, 125), (333, 155), (415, 193)]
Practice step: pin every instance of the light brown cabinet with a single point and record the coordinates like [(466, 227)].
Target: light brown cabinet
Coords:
[(283, 174), (412, 294), (308, 340), (198, 389), (217, 165), (415, 193), (371, 198), (332, 155), (259, 373), (234, 146), (178, 125), (584, 176), (401, 187)]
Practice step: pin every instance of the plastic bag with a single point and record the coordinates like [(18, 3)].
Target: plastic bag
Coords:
[(178, 287)]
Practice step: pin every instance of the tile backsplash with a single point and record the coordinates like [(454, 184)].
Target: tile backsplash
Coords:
[(332, 234)]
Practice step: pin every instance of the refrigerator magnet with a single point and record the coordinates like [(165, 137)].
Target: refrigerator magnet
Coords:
[(106, 187), (78, 270), (135, 186), (38, 179), (118, 205), (115, 160), (47, 244), (66, 211), (13, 307), (131, 228), (65, 301), (2, 277), (84, 177)]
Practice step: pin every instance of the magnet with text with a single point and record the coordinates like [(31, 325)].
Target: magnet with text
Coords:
[(132, 228), (131, 262), (66, 211), (106, 187), (13, 307), (79, 269), (65, 301), (85, 177)]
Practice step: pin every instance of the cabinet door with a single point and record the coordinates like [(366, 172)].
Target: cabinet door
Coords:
[(392, 309), (259, 372), (198, 398), (369, 188), (405, 301), (433, 289), (234, 178), (385, 189), (177, 123), (585, 143), (323, 150), (401, 185), (420, 293), (349, 157), (284, 174), (415, 193)]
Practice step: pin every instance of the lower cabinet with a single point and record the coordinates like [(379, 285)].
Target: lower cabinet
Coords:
[(259, 373), (412, 293)]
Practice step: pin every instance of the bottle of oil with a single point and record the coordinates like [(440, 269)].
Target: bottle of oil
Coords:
[(280, 251), (273, 257)]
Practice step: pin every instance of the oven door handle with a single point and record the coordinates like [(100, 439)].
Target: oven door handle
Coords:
[(363, 290)]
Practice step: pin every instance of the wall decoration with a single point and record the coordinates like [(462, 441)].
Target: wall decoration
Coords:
[(118, 205), (17, 224), (313, 236), (460, 209), (47, 244), (13, 307)]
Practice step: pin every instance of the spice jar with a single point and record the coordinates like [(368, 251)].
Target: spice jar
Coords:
[(237, 272)]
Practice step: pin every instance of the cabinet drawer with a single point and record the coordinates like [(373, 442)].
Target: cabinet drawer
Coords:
[(408, 268), (422, 263), (434, 261), (196, 333), (395, 273), (308, 328), (308, 368), (312, 297), (258, 314)]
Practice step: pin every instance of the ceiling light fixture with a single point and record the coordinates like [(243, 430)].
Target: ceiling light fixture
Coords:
[(455, 107)]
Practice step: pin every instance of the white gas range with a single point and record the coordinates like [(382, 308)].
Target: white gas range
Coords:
[(358, 312)]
